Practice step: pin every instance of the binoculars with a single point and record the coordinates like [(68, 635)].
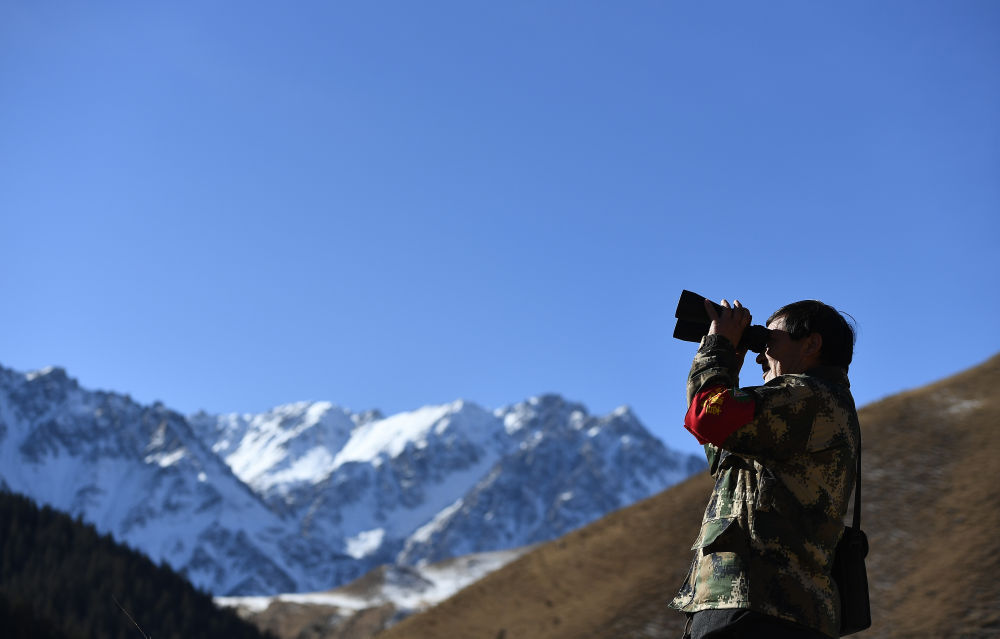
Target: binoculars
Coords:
[(693, 323)]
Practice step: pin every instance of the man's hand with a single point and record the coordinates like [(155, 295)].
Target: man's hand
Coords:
[(730, 323)]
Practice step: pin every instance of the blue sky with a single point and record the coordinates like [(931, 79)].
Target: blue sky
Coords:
[(229, 206)]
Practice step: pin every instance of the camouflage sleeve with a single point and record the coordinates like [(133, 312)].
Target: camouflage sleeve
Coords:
[(714, 365), (772, 421), (712, 455), (716, 413), (785, 411)]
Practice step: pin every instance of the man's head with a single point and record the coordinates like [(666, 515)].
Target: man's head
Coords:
[(805, 334)]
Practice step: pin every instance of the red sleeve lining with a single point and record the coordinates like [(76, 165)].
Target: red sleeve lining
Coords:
[(715, 414)]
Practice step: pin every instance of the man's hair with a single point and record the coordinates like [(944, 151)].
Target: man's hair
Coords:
[(812, 316)]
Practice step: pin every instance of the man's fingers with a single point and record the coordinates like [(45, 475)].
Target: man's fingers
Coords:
[(737, 310), (728, 321), (744, 312), (710, 309)]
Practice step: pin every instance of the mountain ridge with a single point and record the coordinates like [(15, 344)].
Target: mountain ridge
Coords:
[(308, 496)]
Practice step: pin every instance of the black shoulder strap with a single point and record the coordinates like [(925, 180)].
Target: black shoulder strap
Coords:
[(857, 493)]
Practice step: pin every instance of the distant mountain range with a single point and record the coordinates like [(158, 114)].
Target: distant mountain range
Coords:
[(309, 496)]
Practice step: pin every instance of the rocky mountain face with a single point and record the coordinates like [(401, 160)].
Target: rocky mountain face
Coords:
[(309, 496)]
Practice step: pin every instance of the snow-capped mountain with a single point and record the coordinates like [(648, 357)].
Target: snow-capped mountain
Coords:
[(140, 473), (309, 496)]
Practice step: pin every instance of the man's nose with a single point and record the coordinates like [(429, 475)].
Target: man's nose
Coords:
[(760, 358)]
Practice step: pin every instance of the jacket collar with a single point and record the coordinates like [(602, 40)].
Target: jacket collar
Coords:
[(832, 374)]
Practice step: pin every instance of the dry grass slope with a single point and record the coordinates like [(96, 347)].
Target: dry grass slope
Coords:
[(931, 500)]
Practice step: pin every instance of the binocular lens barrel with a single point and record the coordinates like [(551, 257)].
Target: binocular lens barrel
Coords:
[(693, 323)]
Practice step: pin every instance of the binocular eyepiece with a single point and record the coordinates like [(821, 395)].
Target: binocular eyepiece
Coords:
[(693, 323)]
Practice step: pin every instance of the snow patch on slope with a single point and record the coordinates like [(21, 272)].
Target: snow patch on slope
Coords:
[(408, 589), (375, 441)]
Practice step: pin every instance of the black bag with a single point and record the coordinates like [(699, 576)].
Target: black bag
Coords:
[(849, 570)]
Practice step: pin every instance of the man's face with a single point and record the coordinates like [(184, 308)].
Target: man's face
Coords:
[(783, 355)]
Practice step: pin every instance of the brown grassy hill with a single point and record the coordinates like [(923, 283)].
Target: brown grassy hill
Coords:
[(931, 508)]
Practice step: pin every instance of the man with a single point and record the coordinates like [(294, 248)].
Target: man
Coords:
[(783, 458)]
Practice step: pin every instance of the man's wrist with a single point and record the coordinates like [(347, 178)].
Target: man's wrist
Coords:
[(716, 351), (716, 340)]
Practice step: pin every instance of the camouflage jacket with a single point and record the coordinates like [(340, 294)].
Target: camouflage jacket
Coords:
[(783, 474)]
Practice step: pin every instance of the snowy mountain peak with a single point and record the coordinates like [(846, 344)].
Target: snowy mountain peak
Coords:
[(278, 449), (376, 441), (546, 409), (308, 495), (360, 419), (56, 373), (624, 412)]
